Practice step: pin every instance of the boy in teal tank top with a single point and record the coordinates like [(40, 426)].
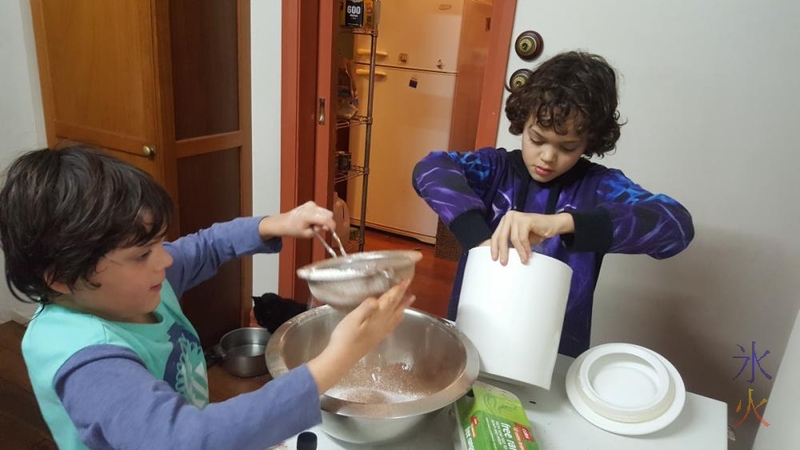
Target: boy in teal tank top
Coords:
[(113, 360)]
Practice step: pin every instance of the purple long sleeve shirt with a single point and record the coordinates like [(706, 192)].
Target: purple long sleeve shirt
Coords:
[(116, 403), (472, 191)]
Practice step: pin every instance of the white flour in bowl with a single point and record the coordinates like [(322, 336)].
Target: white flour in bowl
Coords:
[(391, 383)]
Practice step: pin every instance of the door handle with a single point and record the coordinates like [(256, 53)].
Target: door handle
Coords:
[(149, 151), (367, 52), (321, 117), (378, 73)]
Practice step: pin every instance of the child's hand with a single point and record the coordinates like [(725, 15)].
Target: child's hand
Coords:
[(371, 321), (526, 229), (298, 223), (358, 333)]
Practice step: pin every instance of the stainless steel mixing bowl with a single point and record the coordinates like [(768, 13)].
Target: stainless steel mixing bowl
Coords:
[(346, 281), (424, 366)]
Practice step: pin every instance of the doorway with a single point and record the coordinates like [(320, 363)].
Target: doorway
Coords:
[(310, 33)]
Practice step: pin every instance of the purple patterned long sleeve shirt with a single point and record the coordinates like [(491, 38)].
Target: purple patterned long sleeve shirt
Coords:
[(472, 191)]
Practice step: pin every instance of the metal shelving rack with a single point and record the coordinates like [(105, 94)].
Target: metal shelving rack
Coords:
[(352, 122), (366, 120), (344, 175)]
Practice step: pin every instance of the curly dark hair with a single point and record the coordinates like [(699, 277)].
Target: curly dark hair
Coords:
[(63, 210), (572, 84)]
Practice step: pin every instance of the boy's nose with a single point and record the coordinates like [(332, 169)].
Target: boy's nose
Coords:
[(548, 154), (165, 259), (168, 262)]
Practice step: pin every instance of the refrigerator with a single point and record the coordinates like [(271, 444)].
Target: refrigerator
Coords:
[(417, 52)]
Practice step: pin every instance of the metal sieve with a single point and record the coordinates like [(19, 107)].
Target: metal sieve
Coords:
[(346, 281)]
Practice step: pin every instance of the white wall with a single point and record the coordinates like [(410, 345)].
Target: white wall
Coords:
[(21, 119), (782, 413), (265, 44), (710, 94)]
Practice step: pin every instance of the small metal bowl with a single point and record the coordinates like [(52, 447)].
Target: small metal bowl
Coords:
[(242, 351), (346, 281)]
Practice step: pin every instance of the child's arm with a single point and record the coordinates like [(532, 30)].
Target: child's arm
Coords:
[(197, 256), (116, 403), (453, 184), (625, 219), (629, 219)]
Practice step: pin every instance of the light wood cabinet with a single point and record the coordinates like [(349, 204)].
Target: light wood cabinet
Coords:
[(165, 86)]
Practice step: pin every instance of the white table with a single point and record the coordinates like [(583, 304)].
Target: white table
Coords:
[(557, 426)]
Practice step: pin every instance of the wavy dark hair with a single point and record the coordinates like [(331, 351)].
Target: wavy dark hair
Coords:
[(572, 84), (63, 210)]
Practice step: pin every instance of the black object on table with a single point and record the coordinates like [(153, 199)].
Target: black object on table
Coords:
[(307, 441)]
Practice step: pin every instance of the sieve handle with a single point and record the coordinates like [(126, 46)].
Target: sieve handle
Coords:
[(325, 244)]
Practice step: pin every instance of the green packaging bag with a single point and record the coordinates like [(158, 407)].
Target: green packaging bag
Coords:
[(493, 419)]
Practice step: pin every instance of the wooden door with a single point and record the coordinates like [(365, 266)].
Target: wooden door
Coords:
[(491, 106), (307, 114), (97, 65), (173, 77), (325, 142), (209, 47)]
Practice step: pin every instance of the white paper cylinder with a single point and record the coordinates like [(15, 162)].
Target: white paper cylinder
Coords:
[(513, 314)]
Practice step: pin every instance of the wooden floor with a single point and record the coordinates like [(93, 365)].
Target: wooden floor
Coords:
[(22, 426), (433, 276), (21, 423)]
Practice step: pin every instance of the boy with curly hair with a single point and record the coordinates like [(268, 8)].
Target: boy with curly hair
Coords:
[(548, 193), (113, 361)]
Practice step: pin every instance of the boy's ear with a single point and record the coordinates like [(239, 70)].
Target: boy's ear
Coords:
[(60, 287), (57, 286)]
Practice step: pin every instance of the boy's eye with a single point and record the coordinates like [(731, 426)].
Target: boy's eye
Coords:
[(144, 255), (535, 142)]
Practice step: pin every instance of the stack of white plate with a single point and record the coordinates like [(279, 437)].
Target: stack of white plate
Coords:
[(625, 389)]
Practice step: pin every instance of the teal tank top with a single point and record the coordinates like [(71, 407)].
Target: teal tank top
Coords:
[(170, 350)]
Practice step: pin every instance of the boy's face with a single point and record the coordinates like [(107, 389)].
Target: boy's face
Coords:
[(130, 282), (547, 154)]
